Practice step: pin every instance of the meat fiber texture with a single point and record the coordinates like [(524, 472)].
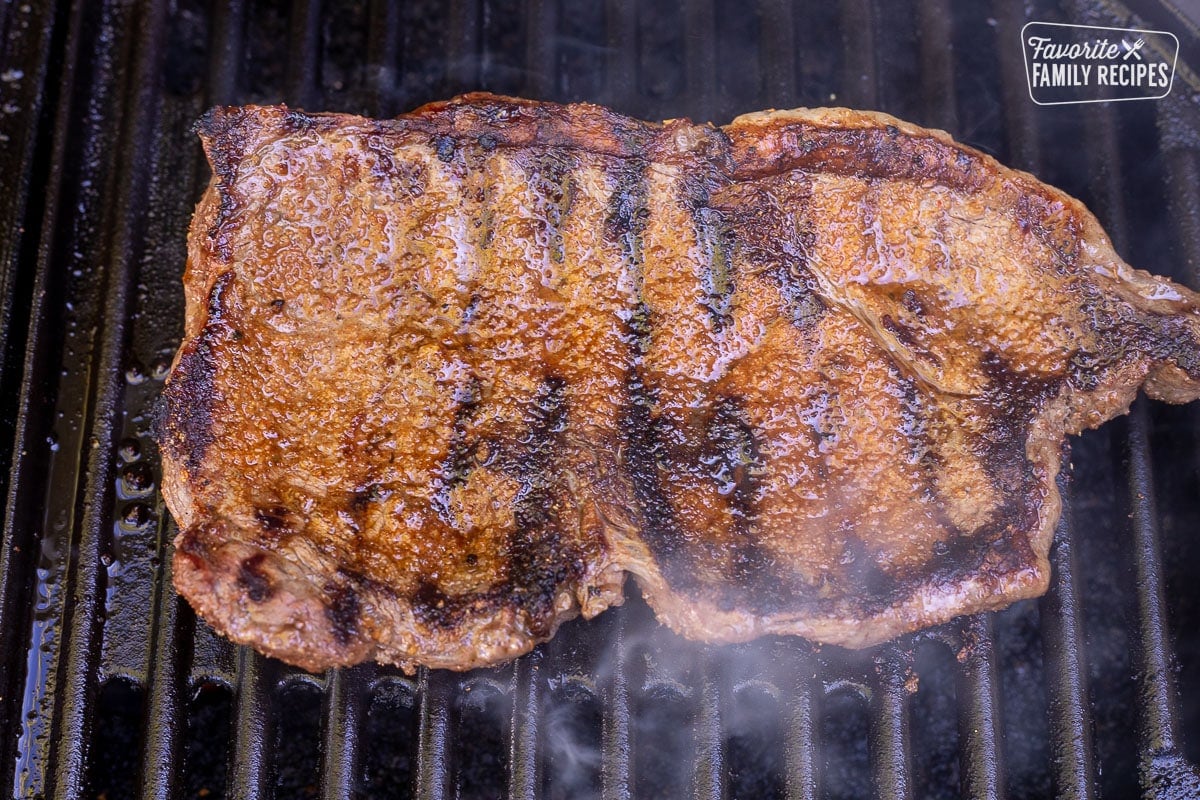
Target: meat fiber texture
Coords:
[(447, 378)]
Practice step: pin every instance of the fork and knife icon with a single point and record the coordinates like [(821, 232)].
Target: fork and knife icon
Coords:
[(1132, 49)]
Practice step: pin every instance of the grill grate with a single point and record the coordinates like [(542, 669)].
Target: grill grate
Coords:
[(103, 171)]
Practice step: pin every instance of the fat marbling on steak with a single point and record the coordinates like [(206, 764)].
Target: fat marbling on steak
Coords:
[(446, 378)]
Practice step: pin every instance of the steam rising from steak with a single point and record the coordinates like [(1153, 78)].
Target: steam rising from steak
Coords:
[(447, 378)]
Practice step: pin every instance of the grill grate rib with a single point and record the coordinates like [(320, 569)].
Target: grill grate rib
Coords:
[(1070, 719), (111, 104)]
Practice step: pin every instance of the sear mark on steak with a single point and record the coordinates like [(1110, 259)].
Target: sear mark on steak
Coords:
[(447, 378)]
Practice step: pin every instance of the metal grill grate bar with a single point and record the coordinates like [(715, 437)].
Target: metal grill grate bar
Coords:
[(889, 736), (800, 751), (708, 776), (700, 57), (1157, 691), (523, 768), (463, 46), (167, 679), (18, 547), (28, 480), (432, 774), (1182, 156), (541, 36), (229, 20), (1156, 707), (250, 767), (1023, 150), (345, 707), (980, 763), (384, 33), (1070, 717), (779, 52), (304, 56), (859, 85), (935, 27), (29, 35), (616, 775), (84, 624), (620, 75)]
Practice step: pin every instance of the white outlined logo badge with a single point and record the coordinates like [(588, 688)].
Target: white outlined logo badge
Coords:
[(1089, 64)]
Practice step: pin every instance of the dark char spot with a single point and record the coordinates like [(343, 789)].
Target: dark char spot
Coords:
[(343, 612), (273, 520), (445, 148), (253, 579)]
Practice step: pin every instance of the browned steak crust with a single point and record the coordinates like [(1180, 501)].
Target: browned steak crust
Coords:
[(446, 378)]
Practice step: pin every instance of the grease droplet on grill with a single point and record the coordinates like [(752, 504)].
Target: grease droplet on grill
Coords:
[(129, 450), (134, 374), (160, 368), (136, 481), (136, 515)]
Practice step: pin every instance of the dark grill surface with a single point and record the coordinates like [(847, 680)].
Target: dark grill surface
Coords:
[(110, 688)]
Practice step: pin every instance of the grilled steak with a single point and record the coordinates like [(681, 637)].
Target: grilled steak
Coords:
[(447, 378)]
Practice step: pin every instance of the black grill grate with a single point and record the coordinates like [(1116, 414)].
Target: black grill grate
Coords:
[(108, 686)]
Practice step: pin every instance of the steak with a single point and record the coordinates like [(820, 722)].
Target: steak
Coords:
[(447, 378)]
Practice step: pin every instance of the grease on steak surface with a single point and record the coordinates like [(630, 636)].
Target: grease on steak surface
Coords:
[(447, 378)]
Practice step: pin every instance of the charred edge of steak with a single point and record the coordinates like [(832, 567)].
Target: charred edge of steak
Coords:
[(541, 561), (761, 151), (1122, 329), (490, 121), (227, 134), (190, 392), (1176, 342)]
